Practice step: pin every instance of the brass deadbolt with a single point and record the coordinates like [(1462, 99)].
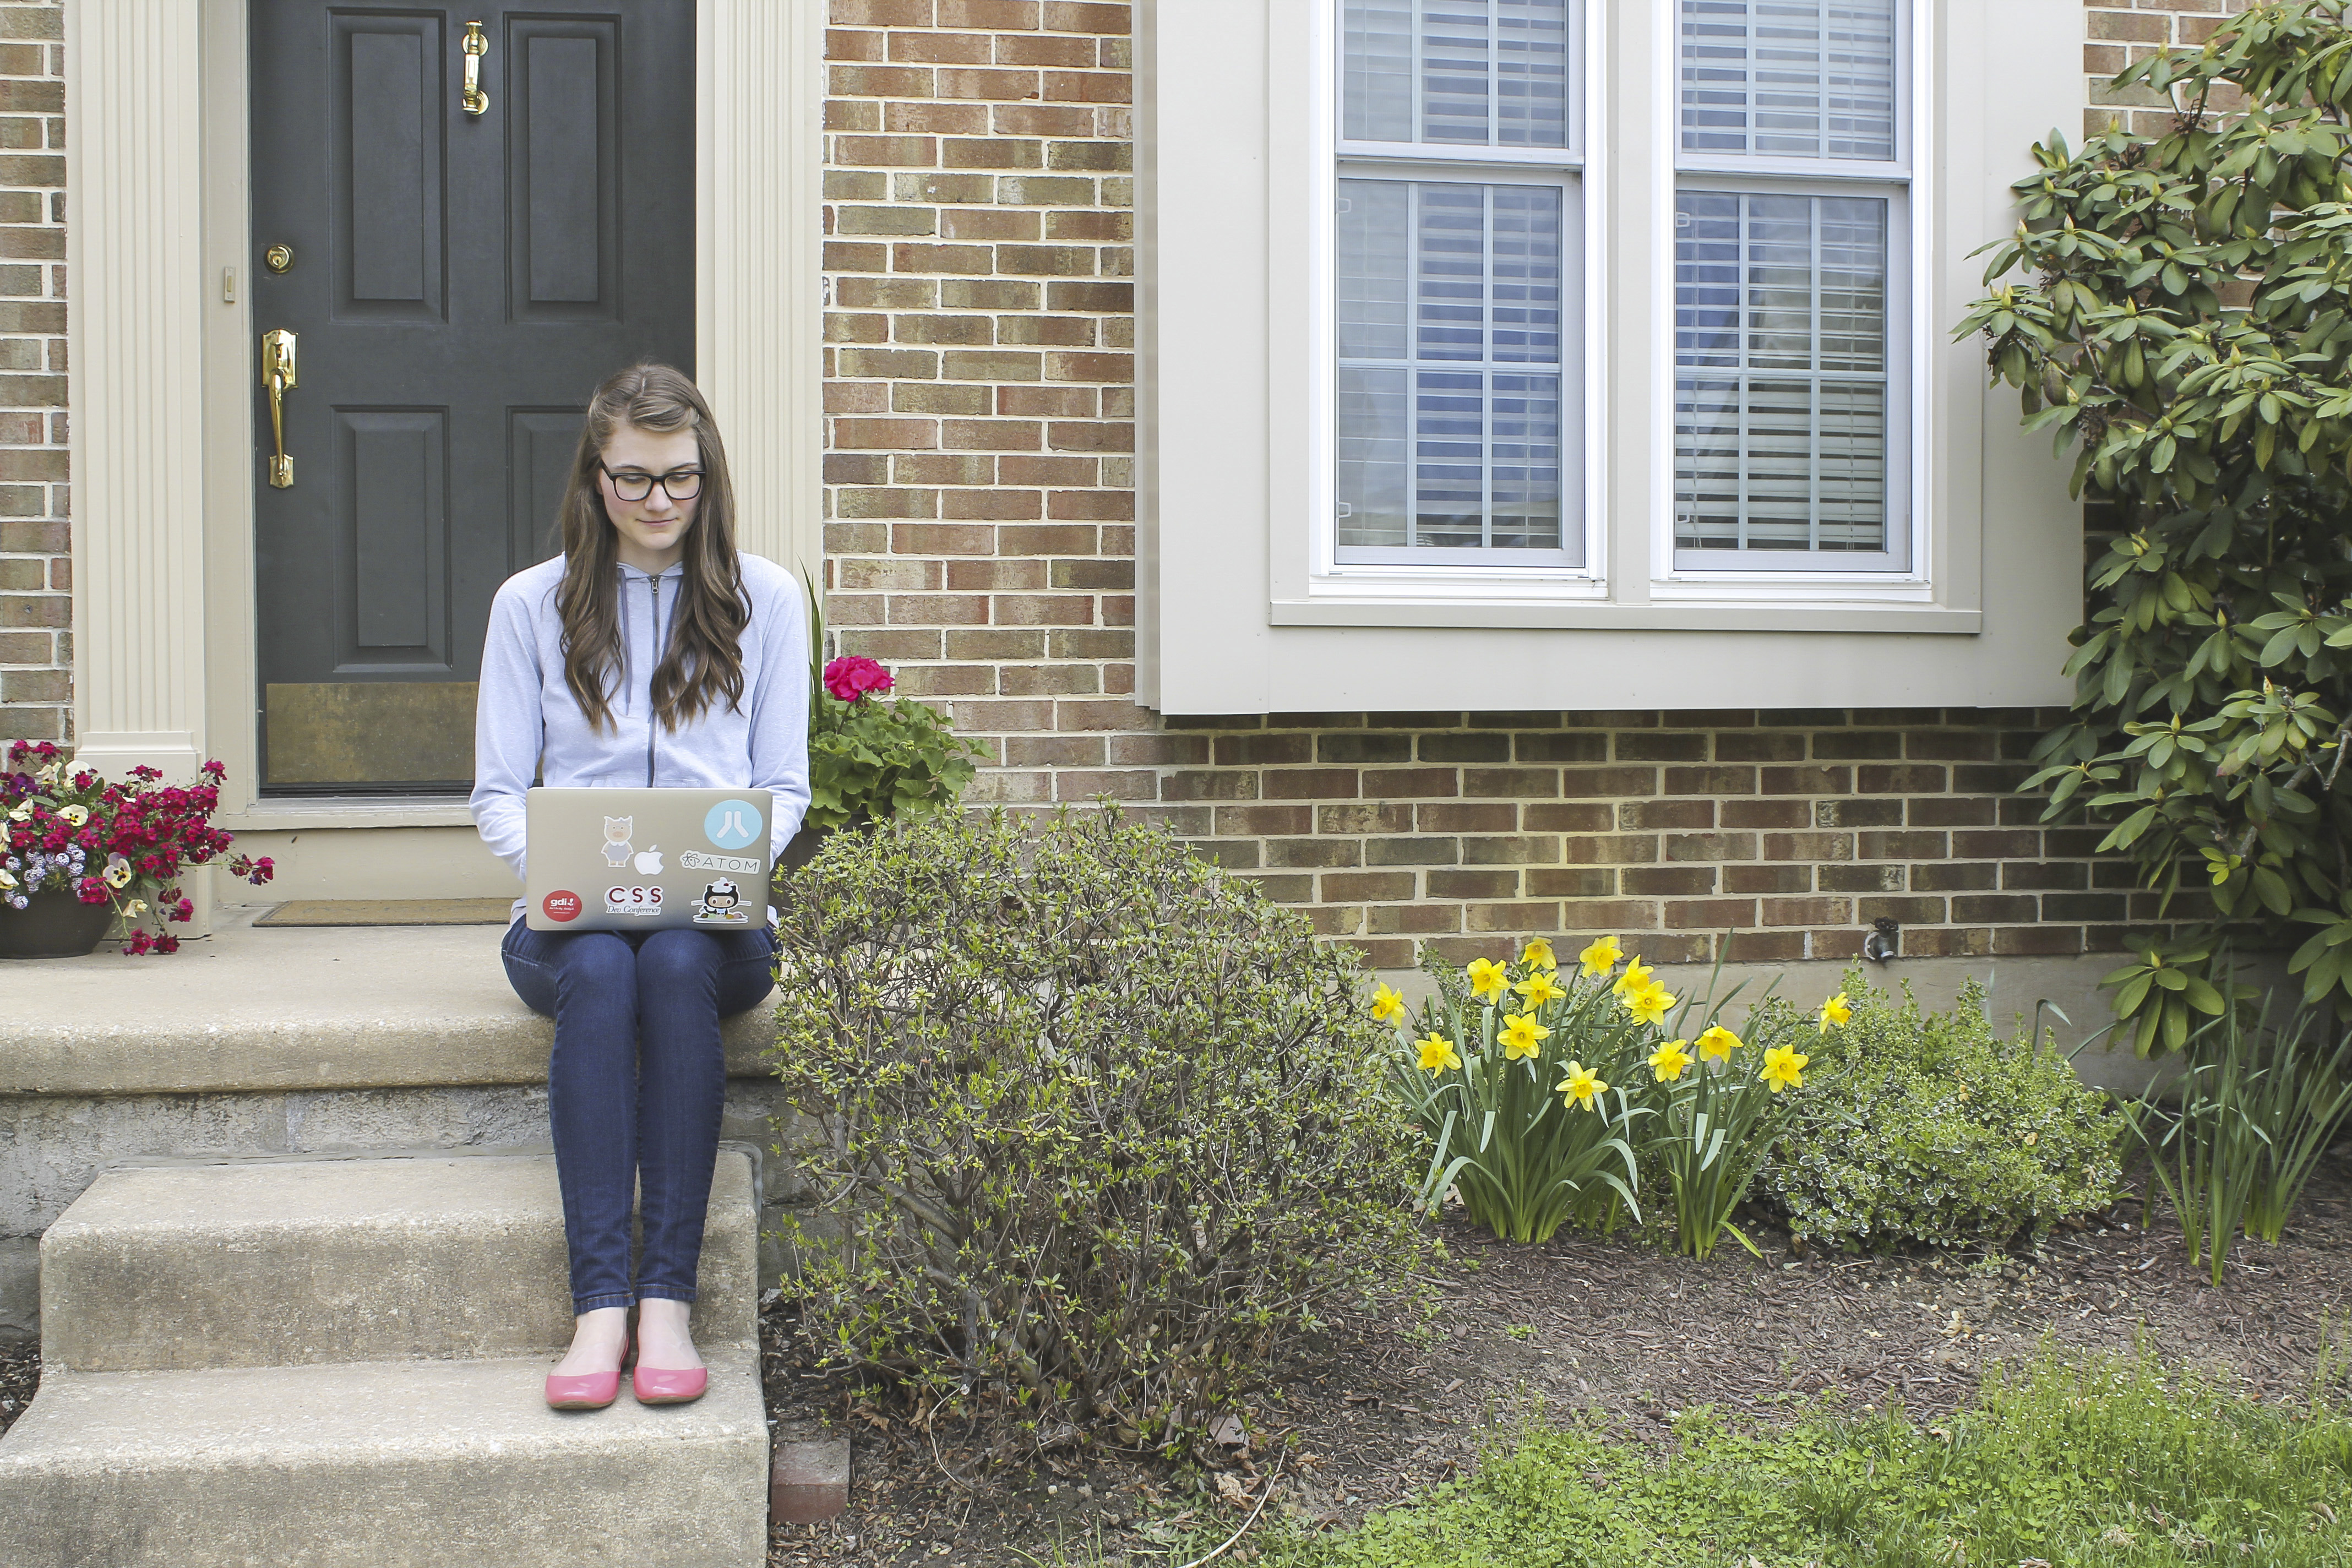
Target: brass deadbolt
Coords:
[(279, 257)]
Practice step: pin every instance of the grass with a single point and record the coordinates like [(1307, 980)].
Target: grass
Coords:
[(2110, 1462)]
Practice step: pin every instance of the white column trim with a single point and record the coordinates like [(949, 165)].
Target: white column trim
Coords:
[(133, 253), (758, 250)]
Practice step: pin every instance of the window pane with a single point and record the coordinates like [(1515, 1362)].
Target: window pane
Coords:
[(1781, 396), (1477, 73), (1449, 392), (1788, 78)]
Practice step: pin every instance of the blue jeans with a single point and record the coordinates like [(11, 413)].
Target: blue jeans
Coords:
[(634, 1089)]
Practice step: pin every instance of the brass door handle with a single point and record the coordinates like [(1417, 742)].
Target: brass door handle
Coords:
[(472, 98), (277, 373)]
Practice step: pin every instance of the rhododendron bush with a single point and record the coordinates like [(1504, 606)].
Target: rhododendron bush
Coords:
[(124, 843)]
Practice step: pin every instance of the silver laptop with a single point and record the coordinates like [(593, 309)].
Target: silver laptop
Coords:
[(646, 859)]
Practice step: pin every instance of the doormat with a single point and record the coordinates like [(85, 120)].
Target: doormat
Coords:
[(390, 912)]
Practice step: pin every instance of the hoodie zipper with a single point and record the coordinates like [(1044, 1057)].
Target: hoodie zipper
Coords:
[(655, 584)]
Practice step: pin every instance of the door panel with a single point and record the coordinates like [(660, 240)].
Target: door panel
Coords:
[(398, 466), (459, 284), (539, 443), (567, 239), (386, 177)]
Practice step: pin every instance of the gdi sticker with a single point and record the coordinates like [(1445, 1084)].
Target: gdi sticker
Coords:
[(561, 905)]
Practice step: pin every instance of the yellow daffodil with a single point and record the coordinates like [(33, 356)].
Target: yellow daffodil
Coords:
[(1580, 1086), (1539, 988), (1522, 1036), (1636, 975), (74, 815), (118, 873), (1784, 1067), (1652, 1003), (1538, 953), (1488, 980), (1836, 1013), (1387, 1005), (1669, 1060), (1437, 1054), (1601, 955), (1718, 1044)]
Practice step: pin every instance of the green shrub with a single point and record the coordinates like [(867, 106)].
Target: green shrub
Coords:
[(1104, 1141), (1930, 1127)]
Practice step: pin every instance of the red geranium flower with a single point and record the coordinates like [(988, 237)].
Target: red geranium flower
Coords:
[(851, 676)]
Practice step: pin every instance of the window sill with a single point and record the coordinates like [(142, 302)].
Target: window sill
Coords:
[(1714, 615)]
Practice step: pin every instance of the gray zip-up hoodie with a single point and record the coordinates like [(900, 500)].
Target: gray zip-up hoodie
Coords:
[(526, 721)]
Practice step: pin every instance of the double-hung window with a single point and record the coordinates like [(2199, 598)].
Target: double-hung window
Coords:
[(1458, 220), (1792, 218), (1526, 354)]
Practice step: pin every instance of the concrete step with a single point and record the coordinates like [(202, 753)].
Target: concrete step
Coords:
[(382, 1464), (299, 1009), (289, 1263)]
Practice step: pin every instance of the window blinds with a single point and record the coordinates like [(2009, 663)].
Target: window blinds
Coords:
[(1784, 395), (1453, 286)]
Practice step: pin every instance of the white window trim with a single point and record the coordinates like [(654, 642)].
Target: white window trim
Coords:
[(1238, 609)]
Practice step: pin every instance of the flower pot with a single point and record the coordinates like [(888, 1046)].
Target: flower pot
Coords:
[(54, 924)]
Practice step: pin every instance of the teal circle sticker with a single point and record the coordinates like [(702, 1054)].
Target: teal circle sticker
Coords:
[(731, 824)]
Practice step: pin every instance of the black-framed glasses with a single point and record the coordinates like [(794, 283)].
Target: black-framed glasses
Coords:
[(636, 484)]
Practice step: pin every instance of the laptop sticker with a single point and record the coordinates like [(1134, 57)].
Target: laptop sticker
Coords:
[(721, 904), (731, 824), (633, 900), (563, 904), (616, 839)]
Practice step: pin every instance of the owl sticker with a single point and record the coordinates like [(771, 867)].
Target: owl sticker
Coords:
[(616, 839)]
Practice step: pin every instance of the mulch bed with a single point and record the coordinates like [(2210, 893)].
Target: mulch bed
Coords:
[(1616, 1325)]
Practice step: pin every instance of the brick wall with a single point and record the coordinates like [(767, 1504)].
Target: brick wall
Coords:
[(2122, 32), (35, 568)]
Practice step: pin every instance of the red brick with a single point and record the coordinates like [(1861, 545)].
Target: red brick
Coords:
[(999, 86), (1912, 846), (990, 15), (1767, 878), (1577, 817), (1083, 16), (809, 1481), (1368, 886), (1804, 781), (1311, 784), (1710, 845)]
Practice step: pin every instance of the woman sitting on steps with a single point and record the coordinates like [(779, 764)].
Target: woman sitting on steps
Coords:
[(650, 620)]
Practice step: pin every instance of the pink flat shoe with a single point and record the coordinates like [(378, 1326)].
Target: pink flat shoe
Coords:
[(665, 1385), (593, 1391)]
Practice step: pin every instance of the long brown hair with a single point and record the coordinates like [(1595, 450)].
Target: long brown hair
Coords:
[(704, 660)]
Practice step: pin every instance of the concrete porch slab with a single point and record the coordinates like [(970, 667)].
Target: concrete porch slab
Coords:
[(278, 1009)]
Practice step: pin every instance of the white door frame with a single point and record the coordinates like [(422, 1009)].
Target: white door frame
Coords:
[(162, 354)]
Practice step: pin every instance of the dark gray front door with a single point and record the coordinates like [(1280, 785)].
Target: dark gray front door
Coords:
[(457, 283)]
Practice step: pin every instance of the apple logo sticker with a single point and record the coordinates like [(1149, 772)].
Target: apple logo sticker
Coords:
[(648, 861)]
